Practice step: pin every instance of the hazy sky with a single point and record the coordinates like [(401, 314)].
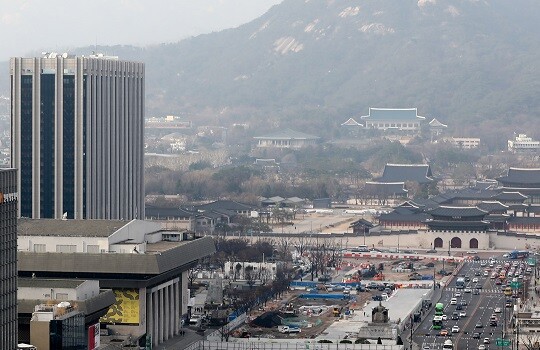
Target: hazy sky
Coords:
[(52, 25)]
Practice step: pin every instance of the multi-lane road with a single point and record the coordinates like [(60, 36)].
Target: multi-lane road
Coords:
[(479, 309)]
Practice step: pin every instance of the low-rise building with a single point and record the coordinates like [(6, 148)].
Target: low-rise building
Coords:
[(145, 266), (286, 139), (523, 143), (465, 142)]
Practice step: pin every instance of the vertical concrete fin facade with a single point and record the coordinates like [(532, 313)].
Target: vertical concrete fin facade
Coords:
[(77, 136)]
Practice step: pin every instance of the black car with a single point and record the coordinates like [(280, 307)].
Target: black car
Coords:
[(476, 291), (493, 323), (476, 335), (377, 297), (455, 316), (478, 325), (463, 302), (459, 307)]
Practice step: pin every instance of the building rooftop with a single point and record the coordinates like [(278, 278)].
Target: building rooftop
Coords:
[(509, 196), (351, 122), (73, 228), (287, 134), (521, 176), (457, 211), (384, 189), (402, 114), (434, 123), (224, 204), (162, 212), (492, 206), (48, 283), (165, 256), (420, 173)]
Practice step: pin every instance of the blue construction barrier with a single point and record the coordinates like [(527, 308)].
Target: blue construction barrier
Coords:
[(313, 284), (324, 296)]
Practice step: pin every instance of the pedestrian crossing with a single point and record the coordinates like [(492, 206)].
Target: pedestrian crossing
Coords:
[(482, 291), (487, 262)]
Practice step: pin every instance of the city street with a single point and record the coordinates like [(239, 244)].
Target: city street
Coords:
[(478, 309)]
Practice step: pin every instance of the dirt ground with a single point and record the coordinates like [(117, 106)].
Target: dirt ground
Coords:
[(318, 323)]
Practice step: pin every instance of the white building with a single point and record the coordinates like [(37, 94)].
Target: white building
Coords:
[(465, 142), (522, 143), (261, 272)]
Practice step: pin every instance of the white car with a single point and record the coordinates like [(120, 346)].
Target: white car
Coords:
[(475, 280), (455, 329), (506, 255), (472, 252), (453, 301), (457, 295), (481, 347), (462, 314), (444, 317), (497, 310)]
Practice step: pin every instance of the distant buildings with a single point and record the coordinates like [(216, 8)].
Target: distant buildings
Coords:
[(465, 142), (393, 118), (77, 136), (286, 139), (8, 259), (522, 143)]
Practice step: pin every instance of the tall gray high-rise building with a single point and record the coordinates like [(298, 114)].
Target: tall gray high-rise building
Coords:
[(8, 259), (77, 136)]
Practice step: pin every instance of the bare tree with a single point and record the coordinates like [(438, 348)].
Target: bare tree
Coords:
[(302, 244), (192, 275), (284, 246), (250, 276), (530, 340)]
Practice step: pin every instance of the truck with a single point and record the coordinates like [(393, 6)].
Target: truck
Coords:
[(289, 329)]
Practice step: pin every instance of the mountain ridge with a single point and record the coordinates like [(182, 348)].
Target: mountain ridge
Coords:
[(312, 64)]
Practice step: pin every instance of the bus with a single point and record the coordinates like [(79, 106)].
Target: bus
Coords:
[(437, 322), (439, 309), (448, 345), (460, 283), (518, 254)]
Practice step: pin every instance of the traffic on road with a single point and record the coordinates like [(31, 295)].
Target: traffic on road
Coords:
[(475, 308)]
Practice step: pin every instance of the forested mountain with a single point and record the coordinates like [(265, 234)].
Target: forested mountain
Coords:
[(314, 63)]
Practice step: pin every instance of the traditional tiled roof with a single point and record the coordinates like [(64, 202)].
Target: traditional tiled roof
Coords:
[(287, 134), (524, 220), (534, 209), (457, 211), (492, 206), (160, 212), (509, 196), (224, 204), (521, 176), (362, 222), (402, 214), (420, 173), (63, 228), (401, 114), (384, 189), (351, 122), (434, 123)]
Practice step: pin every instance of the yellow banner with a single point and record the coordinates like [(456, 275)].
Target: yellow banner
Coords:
[(126, 308)]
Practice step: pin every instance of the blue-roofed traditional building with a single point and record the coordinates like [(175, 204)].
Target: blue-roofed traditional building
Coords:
[(286, 139), (393, 118)]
